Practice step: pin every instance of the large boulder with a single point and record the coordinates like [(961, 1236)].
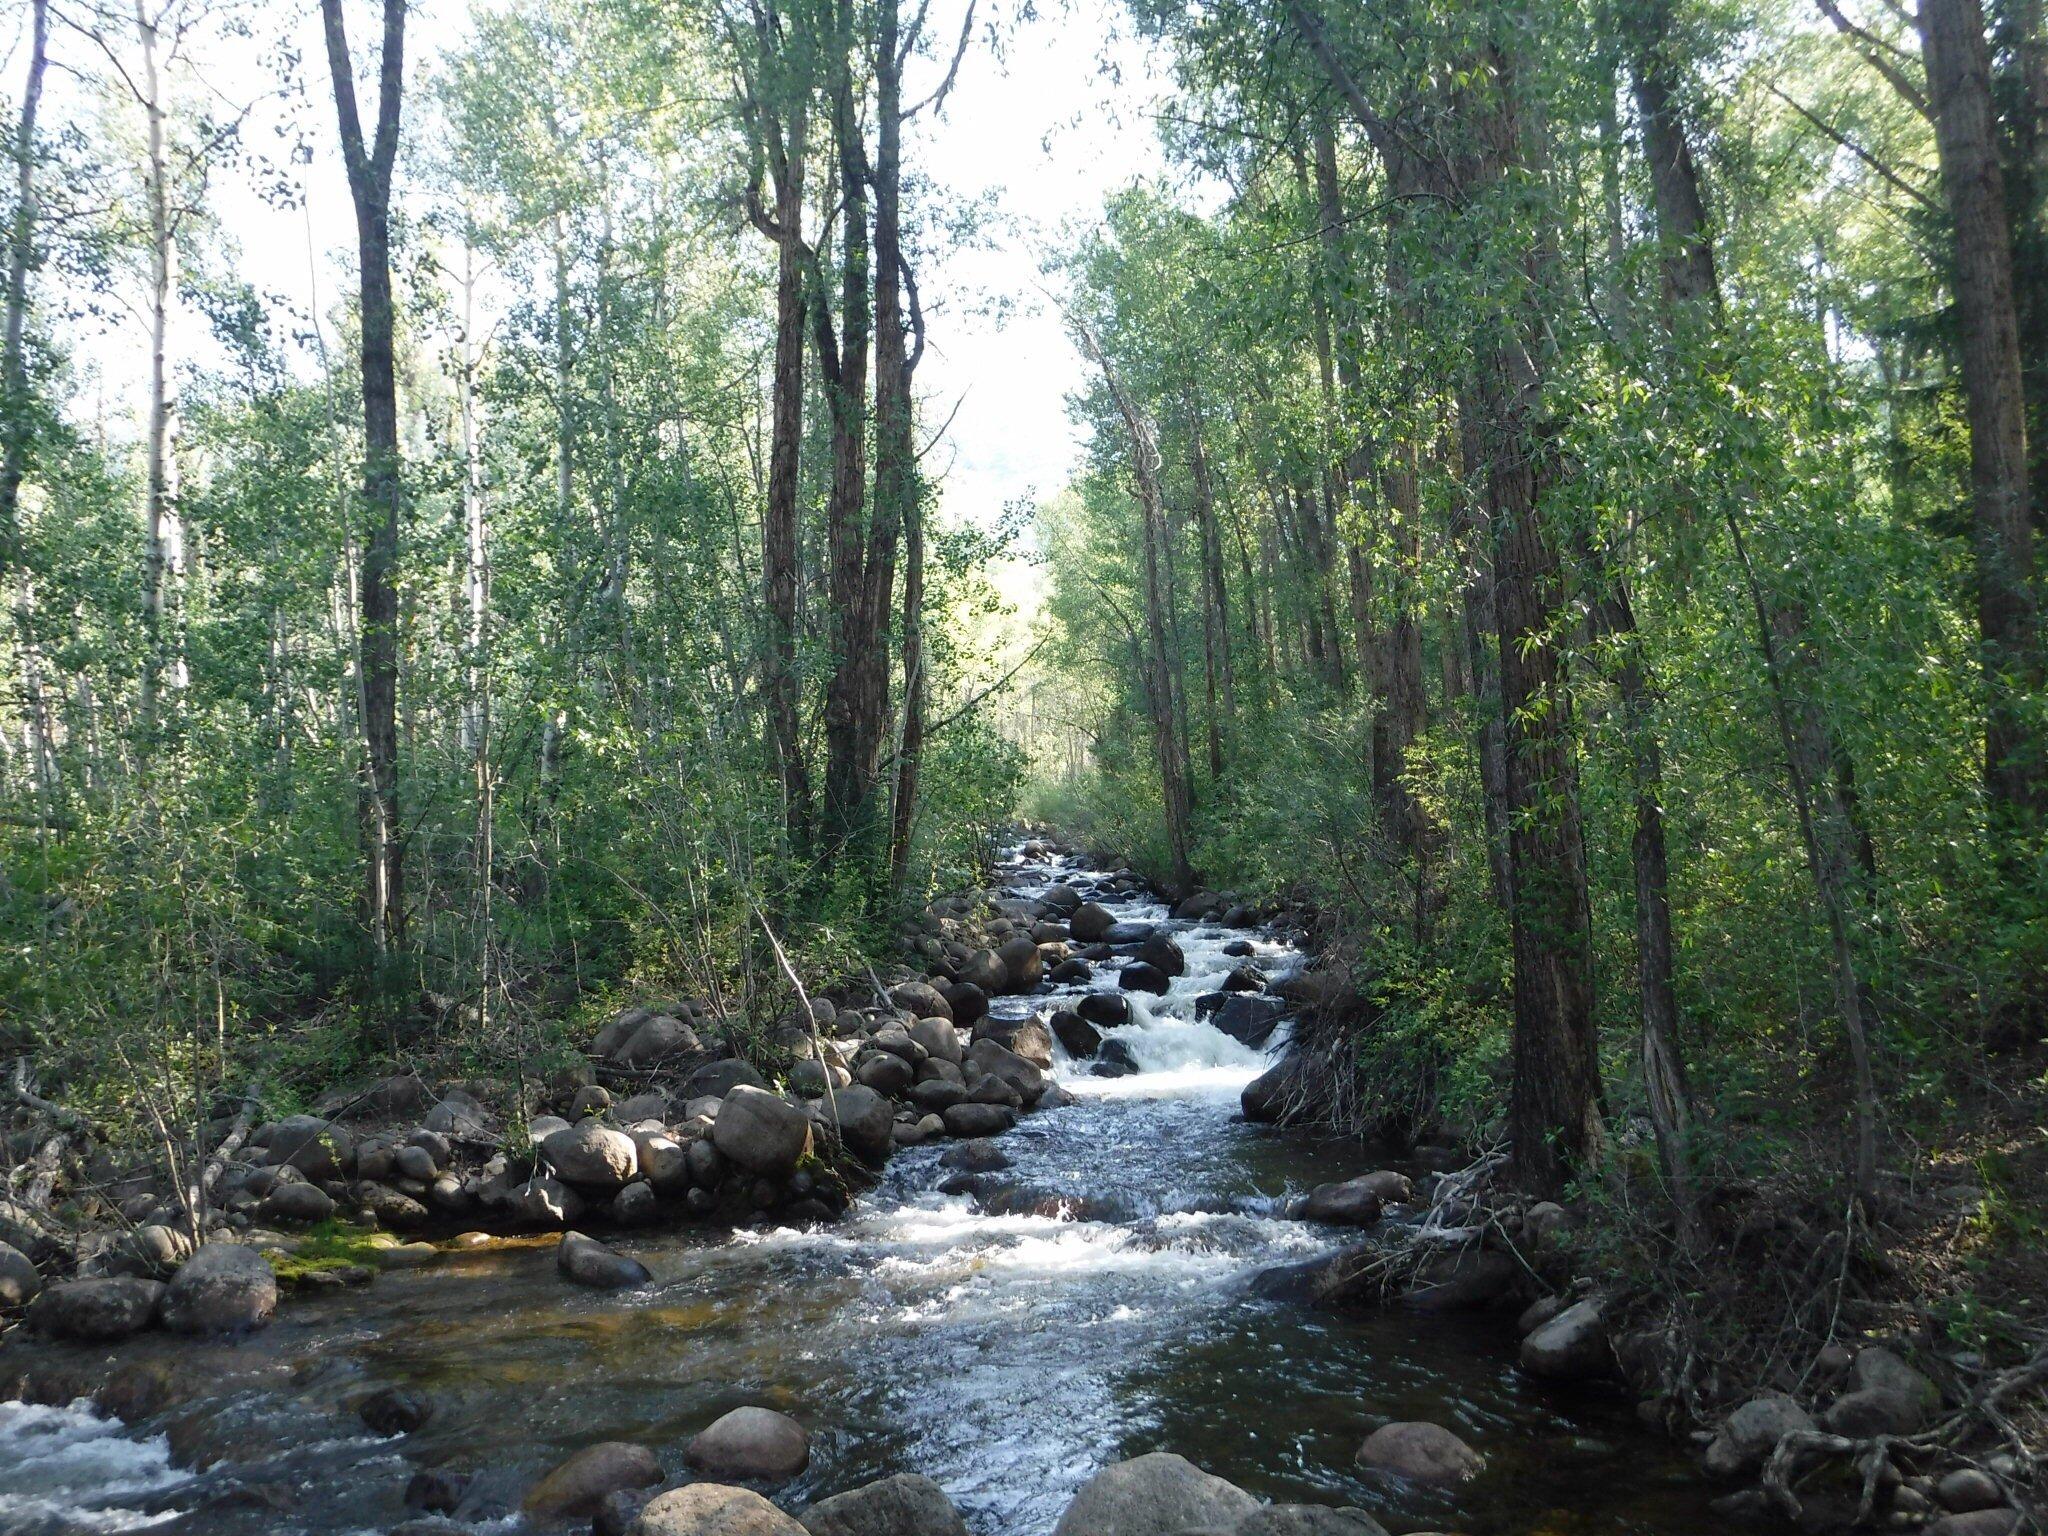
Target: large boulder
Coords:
[(97, 1311), (1143, 976), (757, 1444), (1247, 1018), (575, 1489), (716, 1079), (938, 1037), (1883, 1396), (1105, 1010), (1161, 952), (971, 1120), (867, 1123), (904, 1505), (585, 1261), (1023, 966), (711, 1509), (1274, 1095), (1077, 1037), (765, 1135), (1420, 1453), (982, 969), (1060, 901), (1752, 1432), (223, 1288), (592, 1155), (19, 1281), (1091, 921), (986, 1056), (1155, 1495), (1572, 1346), (320, 1149), (967, 1000), (886, 1073), (921, 1000), (298, 1204), (659, 1040), (1353, 1203)]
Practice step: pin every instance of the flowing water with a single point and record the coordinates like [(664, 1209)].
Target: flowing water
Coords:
[(1090, 1303)]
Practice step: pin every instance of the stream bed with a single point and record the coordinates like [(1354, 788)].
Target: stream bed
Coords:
[(1105, 1312)]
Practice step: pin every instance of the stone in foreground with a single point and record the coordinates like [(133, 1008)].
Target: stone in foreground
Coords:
[(904, 1505), (1155, 1495), (711, 1509), (580, 1484), (223, 1288)]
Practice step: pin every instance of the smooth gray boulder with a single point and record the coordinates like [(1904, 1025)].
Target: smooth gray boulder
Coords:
[(223, 1288), (995, 1060), (971, 1120), (1160, 951), (19, 1281), (903, 1505), (1155, 1495), (921, 1000), (938, 1037), (1090, 922), (867, 1123), (579, 1485), (320, 1149), (758, 1444), (660, 1039), (298, 1204), (1420, 1452), (1572, 1346), (592, 1155), (1023, 966), (1884, 1396), (1353, 1203), (763, 1134)]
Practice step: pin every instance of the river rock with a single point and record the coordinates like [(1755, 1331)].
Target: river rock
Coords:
[(903, 1505), (982, 969), (97, 1311), (660, 1039), (1884, 1396), (1353, 1203), (416, 1163), (1463, 1280), (320, 1149), (1115, 1058), (986, 1056), (1161, 952), (1143, 976), (1091, 922), (664, 1162), (867, 1124), (619, 1030), (979, 1156), (938, 1037), (1572, 1346), (1061, 901), (19, 1282), (1155, 1495), (1420, 1453), (1967, 1490), (1105, 1010), (1077, 1037), (223, 1288), (458, 1114), (1248, 1018), (576, 1487), (543, 1203), (298, 1204), (592, 1155), (394, 1411), (886, 1073), (761, 1133), (1245, 978), (1981, 1522), (710, 1509), (636, 1205), (154, 1250), (921, 1000), (585, 1261), (1022, 964), (717, 1079), (938, 1094), (812, 1078), (1752, 1432), (754, 1443), (972, 1120), (1200, 905), (1270, 1098), (1069, 971), (969, 1002)]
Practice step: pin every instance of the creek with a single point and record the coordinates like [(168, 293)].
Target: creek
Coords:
[(1090, 1303)]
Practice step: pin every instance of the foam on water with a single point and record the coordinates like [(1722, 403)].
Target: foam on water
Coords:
[(68, 1469)]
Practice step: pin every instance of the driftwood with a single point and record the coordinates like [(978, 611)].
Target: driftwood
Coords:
[(23, 1090), (198, 1192)]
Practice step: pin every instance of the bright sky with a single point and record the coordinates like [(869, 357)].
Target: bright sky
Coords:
[(1047, 131)]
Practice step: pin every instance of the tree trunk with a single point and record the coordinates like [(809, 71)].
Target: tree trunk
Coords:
[(162, 537), (1215, 598), (2008, 632), (16, 401), (369, 178)]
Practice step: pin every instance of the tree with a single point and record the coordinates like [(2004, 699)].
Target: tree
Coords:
[(369, 164)]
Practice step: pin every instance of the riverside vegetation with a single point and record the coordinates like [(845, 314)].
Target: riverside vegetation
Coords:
[(514, 750)]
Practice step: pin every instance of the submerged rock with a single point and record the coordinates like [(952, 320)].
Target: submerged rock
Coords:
[(1353, 1203), (576, 1487), (394, 1411), (1421, 1453), (585, 1261)]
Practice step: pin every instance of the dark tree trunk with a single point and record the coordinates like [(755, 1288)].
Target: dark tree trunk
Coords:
[(369, 180), (1959, 93), (1215, 600)]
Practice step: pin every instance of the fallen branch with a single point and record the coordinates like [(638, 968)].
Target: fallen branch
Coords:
[(25, 1094)]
